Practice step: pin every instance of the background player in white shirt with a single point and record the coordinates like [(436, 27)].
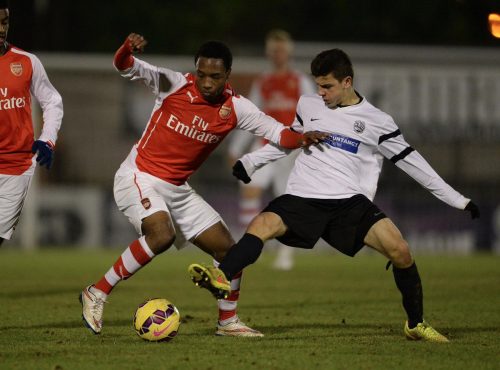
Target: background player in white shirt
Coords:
[(276, 93), (192, 115), (22, 76), (330, 190)]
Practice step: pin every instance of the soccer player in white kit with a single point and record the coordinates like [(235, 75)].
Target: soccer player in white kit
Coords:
[(192, 115), (276, 93), (21, 76), (331, 187)]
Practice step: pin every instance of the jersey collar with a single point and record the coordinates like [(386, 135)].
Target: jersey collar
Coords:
[(360, 100)]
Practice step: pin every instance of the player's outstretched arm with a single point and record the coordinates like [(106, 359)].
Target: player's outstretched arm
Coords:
[(245, 167), (291, 139), (134, 43)]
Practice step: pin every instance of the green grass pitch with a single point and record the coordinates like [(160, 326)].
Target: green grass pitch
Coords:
[(330, 312)]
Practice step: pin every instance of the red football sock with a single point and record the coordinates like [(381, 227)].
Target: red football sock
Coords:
[(137, 255)]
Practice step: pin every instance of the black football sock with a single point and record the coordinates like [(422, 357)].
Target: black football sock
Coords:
[(410, 286), (242, 254)]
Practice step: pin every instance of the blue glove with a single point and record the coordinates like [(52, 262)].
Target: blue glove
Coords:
[(45, 153)]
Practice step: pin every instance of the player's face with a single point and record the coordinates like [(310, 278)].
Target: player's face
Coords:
[(331, 90), (278, 52), (4, 24), (211, 78)]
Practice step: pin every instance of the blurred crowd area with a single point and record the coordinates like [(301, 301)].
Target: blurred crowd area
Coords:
[(445, 101), (177, 27)]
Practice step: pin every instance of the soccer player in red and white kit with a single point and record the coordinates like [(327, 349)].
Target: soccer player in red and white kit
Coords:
[(192, 115), (276, 93), (22, 75)]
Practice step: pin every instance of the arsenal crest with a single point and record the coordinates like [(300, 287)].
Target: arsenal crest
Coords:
[(146, 203), (224, 112), (16, 69)]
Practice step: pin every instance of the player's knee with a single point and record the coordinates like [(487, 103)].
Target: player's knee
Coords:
[(266, 226), (400, 254), (159, 232), (160, 242), (159, 236)]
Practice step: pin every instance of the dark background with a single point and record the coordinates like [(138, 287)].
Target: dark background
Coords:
[(178, 27)]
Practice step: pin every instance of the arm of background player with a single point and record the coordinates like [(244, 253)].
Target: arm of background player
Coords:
[(159, 80), (50, 102), (394, 147)]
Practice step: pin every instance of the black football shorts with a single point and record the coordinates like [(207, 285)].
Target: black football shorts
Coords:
[(342, 223)]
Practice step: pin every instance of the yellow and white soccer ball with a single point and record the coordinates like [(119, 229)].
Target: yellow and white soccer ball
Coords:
[(157, 319)]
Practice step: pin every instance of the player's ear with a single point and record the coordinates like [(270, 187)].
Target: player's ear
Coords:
[(347, 82)]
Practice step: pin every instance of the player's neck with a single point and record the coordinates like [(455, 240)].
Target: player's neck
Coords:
[(351, 98), (3, 48), (281, 70)]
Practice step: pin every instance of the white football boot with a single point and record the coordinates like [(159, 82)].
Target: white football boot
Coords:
[(236, 328), (92, 301)]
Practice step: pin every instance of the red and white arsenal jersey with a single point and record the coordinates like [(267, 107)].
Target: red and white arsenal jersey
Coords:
[(277, 94), (184, 128), (22, 74)]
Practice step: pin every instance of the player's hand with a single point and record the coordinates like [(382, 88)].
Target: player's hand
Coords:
[(473, 209), (136, 43), (313, 138), (45, 152), (240, 173)]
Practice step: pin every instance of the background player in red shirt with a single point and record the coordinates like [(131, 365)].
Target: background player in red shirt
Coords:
[(276, 93), (22, 75), (192, 115)]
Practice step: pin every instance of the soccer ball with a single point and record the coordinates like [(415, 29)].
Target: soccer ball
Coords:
[(157, 320)]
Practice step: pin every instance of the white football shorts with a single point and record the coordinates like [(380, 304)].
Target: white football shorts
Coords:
[(13, 191), (139, 195)]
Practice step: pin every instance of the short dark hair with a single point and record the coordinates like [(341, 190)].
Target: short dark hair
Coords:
[(334, 61), (4, 4), (217, 50)]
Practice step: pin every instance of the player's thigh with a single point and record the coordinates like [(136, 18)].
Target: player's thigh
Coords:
[(349, 220), (385, 237), (304, 222), (267, 225), (13, 191), (136, 196)]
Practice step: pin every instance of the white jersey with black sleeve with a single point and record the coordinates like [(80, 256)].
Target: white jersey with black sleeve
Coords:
[(350, 160)]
